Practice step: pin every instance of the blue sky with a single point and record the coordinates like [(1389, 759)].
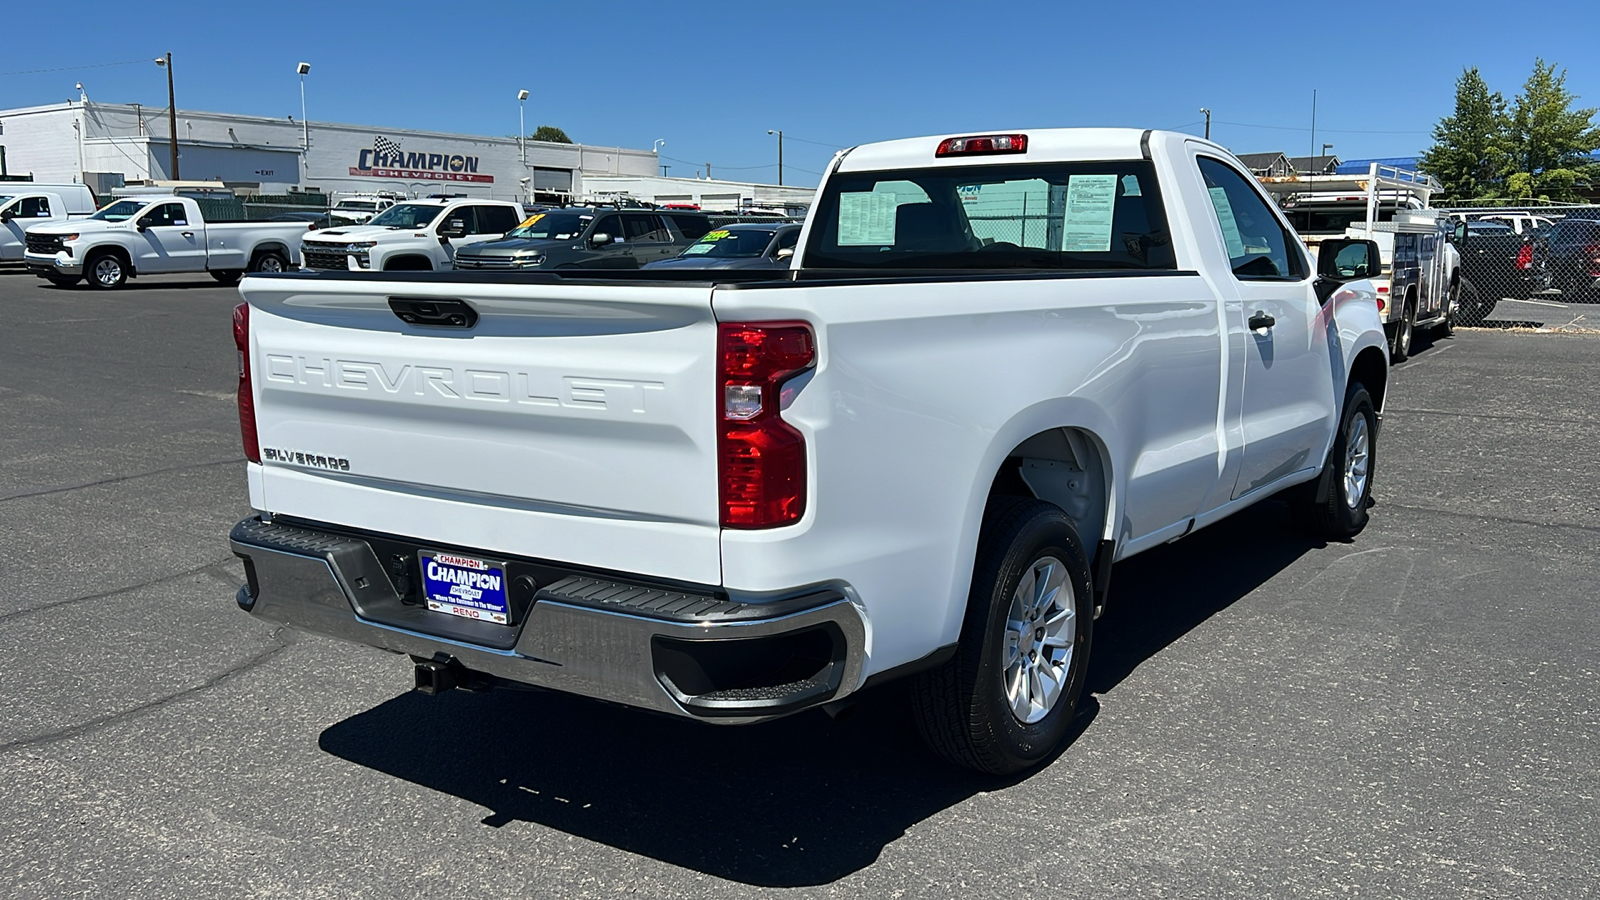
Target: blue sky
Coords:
[(711, 78)]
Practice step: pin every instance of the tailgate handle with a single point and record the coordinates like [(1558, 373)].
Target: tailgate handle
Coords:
[(435, 313)]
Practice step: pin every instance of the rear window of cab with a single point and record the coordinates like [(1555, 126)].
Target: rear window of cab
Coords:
[(1083, 215)]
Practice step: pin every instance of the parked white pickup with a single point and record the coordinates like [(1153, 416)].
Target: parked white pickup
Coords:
[(24, 205), (998, 364), (158, 235)]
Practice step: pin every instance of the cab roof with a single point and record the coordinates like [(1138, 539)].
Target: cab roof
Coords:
[(1044, 145)]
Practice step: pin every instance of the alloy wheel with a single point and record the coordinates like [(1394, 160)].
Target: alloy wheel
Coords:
[(1041, 629)]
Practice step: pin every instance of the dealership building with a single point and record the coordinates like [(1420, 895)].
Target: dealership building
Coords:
[(107, 145)]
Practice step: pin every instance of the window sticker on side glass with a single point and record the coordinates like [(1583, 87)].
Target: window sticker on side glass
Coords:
[(1230, 226), (866, 218), (1130, 186), (1087, 228)]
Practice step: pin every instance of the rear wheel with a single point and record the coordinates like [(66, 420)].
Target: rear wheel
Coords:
[(227, 276), (1470, 308), (1404, 330), (269, 262), (1006, 700), (1448, 326), (1346, 480), (106, 272)]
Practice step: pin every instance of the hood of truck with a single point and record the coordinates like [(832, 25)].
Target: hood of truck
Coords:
[(574, 423), (513, 246), (78, 226), (347, 234)]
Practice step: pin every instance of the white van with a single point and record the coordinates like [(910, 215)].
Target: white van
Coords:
[(24, 204)]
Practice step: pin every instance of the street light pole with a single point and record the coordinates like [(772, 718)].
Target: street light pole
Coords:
[(1208, 122), (779, 133), (522, 126), (172, 110), (656, 149)]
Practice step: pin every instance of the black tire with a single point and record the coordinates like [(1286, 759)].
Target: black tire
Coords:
[(962, 708), (228, 277), (408, 264), (63, 280), (105, 271), (270, 262), (1338, 516), (1470, 308), (1448, 326), (1404, 331)]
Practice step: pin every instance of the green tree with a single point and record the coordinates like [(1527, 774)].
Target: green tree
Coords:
[(1469, 155), (1550, 142), (551, 134)]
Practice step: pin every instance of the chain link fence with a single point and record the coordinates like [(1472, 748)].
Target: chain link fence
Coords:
[(1526, 252)]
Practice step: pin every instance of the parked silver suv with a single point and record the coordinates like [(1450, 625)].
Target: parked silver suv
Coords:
[(590, 238)]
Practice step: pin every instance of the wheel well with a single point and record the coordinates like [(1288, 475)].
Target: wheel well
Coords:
[(1372, 370), (1064, 466), (111, 250), (263, 249), (408, 264)]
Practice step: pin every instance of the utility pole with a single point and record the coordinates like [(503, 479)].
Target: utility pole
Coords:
[(1208, 122), (708, 171), (172, 110), (1313, 121), (779, 133)]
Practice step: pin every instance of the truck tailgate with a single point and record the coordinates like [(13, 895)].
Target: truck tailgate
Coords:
[(573, 423)]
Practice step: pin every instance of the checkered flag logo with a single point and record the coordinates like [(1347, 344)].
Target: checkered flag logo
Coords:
[(385, 147)]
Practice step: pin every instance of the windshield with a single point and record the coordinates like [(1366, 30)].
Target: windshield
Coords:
[(1065, 215), (120, 211), (407, 215), (365, 205), (552, 226), (724, 244)]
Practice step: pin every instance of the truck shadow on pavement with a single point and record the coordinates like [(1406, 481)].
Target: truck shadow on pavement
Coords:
[(800, 801)]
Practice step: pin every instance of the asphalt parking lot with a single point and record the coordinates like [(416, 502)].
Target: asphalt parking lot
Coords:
[(1415, 714)]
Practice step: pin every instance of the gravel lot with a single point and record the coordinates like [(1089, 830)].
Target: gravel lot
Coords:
[(1411, 715)]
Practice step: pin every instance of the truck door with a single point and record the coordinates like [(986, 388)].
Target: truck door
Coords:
[(169, 242), (1287, 407), (614, 255)]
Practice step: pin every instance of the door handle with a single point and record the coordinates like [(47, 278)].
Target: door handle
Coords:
[(1261, 321), (188, 234)]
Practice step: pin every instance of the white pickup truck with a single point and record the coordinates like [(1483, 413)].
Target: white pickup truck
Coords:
[(23, 206), (415, 236), (999, 364), (158, 235)]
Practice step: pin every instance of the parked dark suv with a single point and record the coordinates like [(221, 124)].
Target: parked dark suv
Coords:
[(588, 237), (1571, 259)]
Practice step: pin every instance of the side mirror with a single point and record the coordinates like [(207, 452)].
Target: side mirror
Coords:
[(1461, 235), (1345, 259), (786, 253), (453, 228), (599, 239), (7, 216), (142, 224)]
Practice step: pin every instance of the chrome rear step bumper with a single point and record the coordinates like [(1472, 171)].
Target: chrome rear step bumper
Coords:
[(688, 653)]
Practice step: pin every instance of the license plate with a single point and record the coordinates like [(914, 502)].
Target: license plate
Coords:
[(466, 587)]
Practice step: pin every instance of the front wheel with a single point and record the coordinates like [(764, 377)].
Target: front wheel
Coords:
[(1470, 308), (1006, 700), (1345, 485), (63, 280), (107, 272)]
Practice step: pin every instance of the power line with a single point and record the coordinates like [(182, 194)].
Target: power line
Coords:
[(131, 62), (1328, 130)]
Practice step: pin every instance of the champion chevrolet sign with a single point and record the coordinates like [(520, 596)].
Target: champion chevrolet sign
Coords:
[(386, 159)]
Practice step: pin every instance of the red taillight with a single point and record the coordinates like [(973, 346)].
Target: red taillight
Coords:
[(761, 459), (247, 400), (1525, 257), (980, 145), (1593, 253)]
